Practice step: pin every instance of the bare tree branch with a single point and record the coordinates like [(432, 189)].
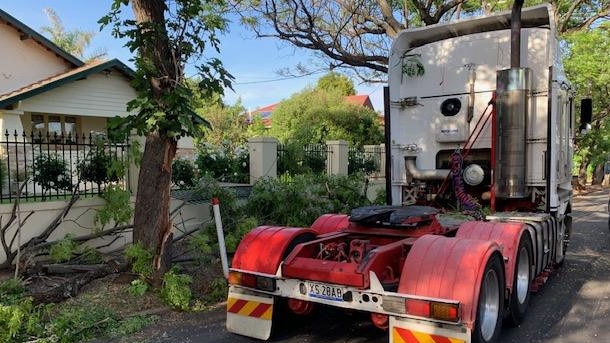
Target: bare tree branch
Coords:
[(357, 34)]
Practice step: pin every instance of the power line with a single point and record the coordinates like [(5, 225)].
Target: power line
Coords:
[(280, 79)]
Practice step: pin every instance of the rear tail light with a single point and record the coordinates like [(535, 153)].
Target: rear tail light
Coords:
[(417, 307), (262, 283), (432, 309), (445, 311)]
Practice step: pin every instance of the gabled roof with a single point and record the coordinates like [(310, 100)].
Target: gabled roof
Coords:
[(265, 111), (360, 100), (58, 80), (28, 33)]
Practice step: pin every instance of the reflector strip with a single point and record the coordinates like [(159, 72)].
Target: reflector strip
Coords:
[(247, 308), (400, 335)]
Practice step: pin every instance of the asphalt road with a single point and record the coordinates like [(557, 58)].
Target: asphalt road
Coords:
[(573, 306)]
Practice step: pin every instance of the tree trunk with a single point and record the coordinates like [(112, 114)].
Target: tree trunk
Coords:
[(152, 225), (582, 171), (75, 283), (598, 175)]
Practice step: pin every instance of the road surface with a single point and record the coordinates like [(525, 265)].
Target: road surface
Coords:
[(573, 306)]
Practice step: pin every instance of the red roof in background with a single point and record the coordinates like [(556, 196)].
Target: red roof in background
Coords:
[(361, 100), (265, 112)]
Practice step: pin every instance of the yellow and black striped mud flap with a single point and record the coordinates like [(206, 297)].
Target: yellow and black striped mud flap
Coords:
[(408, 331), (249, 315)]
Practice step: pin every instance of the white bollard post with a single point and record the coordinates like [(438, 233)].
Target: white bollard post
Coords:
[(221, 237)]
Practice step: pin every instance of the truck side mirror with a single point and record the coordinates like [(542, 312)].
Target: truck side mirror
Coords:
[(586, 114)]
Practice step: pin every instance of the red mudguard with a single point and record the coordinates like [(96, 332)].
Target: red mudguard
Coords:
[(506, 234), (263, 249), (447, 268), (330, 223)]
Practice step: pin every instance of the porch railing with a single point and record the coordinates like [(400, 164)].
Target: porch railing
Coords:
[(53, 166)]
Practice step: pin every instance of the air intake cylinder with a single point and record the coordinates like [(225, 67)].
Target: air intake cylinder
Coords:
[(513, 94)]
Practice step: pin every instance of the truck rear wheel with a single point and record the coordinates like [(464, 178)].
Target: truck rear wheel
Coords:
[(491, 302), (520, 296)]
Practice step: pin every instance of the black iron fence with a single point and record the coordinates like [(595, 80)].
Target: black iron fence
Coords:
[(297, 159), (303, 159), (368, 160), (50, 167)]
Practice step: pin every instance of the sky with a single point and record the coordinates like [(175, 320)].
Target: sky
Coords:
[(253, 62)]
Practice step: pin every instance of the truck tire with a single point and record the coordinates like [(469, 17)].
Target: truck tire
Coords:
[(566, 224), (520, 296), (491, 302)]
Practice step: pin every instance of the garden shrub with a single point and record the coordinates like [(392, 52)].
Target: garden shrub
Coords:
[(141, 259), (99, 166), (51, 172), (176, 290), (360, 162), (296, 159), (223, 163), (184, 173), (299, 200)]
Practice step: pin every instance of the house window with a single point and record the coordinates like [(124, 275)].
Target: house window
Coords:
[(53, 125), (38, 127), (70, 127)]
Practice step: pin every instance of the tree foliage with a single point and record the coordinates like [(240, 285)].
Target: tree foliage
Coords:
[(228, 124), (74, 42), (334, 82), (166, 39), (313, 116), (587, 65), (358, 34)]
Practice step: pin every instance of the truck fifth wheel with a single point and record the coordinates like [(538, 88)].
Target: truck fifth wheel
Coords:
[(478, 113)]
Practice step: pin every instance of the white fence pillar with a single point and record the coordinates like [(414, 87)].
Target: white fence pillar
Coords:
[(263, 157), (336, 163)]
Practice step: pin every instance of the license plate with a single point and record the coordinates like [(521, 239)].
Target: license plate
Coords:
[(326, 292)]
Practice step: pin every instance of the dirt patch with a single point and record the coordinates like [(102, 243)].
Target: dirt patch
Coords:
[(112, 292)]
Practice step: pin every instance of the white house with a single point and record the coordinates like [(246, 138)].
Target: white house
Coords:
[(46, 92), (44, 89)]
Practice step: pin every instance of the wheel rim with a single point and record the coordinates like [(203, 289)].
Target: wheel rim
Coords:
[(489, 307), (523, 275)]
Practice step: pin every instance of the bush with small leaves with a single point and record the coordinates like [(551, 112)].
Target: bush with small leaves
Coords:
[(51, 172), (78, 324), (217, 291), (117, 206), (141, 259), (184, 174), (176, 290), (19, 317), (97, 166), (63, 250), (138, 287), (223, 163)]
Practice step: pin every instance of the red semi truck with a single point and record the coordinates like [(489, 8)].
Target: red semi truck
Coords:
[(478, 114)]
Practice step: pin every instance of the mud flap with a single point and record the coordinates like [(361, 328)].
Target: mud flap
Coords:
[(249, 314), (404, 330)]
